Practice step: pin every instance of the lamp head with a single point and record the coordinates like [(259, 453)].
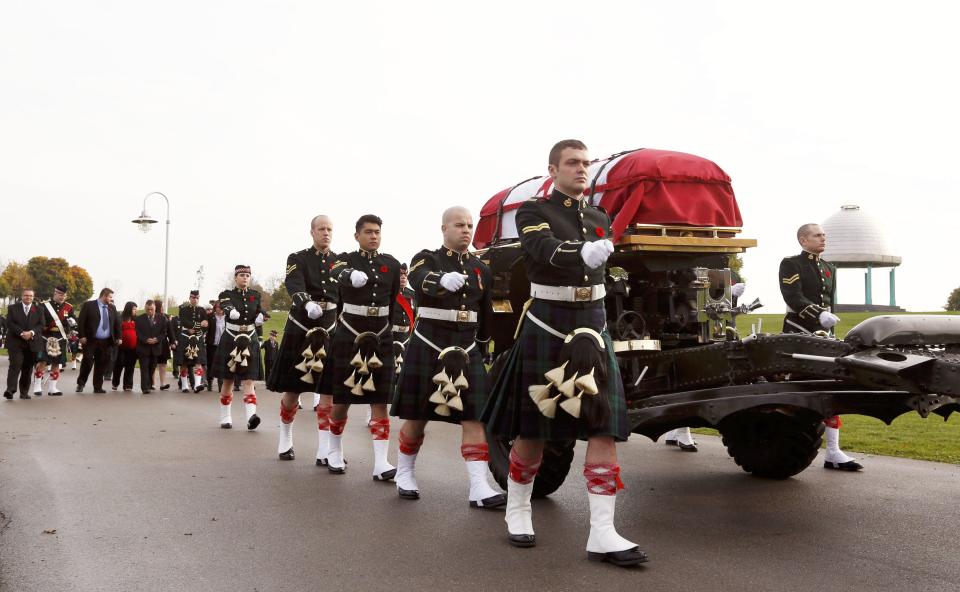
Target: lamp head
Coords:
[(144, 221)]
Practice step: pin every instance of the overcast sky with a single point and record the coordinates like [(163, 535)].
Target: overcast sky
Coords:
[(253, 117)]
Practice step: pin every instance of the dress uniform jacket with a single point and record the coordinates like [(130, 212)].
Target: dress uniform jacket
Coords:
[(191, 333), (247, 303), (308, 279), (377, 295), (470, 313), (64, 312), (552, 232), (809, 287)]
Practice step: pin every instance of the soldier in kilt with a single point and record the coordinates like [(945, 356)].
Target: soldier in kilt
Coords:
[(561, 379), (808, 285), (362, 364), (58, 321), (444, 378), (301, 363), (191, 351), (238, 356)]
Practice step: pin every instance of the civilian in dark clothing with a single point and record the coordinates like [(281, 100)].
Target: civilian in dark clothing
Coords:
[(127, 352), (25, 325), (151, 330), (214, 332), (99, 330)]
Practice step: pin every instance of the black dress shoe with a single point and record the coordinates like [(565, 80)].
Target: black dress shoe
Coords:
[(337, 470), (410, 494), (622, 558), (288, 455), (79, 388), (146, 392), (56, 394), (164, 387), (99, 391), (386, 475), (321, 462), (7, 395), (522, 540), (198, 389), (25, 396), (38, 393), (183, 390), (226, 426), (299, 406), (687, 447), (494, 501), (253, 422), (850, 465)]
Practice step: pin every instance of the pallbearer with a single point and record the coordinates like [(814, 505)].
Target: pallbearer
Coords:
[(238, 356), (443, 377), (191, 351), (58, 321), (301, 366), (362, 350), (561, 380)]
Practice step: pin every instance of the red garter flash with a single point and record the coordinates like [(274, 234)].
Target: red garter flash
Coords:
[(474, 452), (323, 417), (523, 471), (251, 398), (337, 425), (226, 399), (833, 422), (410, 446), (380, 429), (602, 478), (287, 415)]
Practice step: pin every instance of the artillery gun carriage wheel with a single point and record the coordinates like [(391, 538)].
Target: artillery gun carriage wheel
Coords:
[(771, 443)]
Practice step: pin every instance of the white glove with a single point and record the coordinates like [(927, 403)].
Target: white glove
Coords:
[(234, 314), (828, 319), (313, 309), (259, 319), (595, 254), (358, 279), (453, 281), (738, 289)]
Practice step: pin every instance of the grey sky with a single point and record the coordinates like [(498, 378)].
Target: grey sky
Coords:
[(253, 117)]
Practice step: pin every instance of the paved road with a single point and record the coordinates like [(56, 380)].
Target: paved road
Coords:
[(146, 493)]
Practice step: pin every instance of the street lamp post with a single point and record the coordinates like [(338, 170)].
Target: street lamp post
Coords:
[(144, 221)]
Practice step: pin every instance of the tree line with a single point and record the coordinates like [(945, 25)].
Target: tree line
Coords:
[(43, 274)]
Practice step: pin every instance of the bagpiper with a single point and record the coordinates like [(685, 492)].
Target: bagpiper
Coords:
[(237, 357), (560, 380), (58, 322), (809, 287), (305, 347), (444, 378), (191, 351), (361, 352)]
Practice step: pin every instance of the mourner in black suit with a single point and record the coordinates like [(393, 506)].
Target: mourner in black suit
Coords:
[(270, 350), (99, 330), (24, 326), (152, 329)]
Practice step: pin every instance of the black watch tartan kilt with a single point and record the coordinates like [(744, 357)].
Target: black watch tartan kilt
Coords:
[(420, 364), (342, 351), (284, 378), (220, 368), (511, 413), (185, 341)]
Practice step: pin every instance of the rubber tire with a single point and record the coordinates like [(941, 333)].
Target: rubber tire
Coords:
[(772, 444), (557, 458)]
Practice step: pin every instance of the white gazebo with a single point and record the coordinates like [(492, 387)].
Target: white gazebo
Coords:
[(855, 240)]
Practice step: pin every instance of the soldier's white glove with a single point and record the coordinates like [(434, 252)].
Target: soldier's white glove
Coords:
[(358, 279), (234, 314), (595, 254), (259, 319), (738, 289), (313, 309), (453, 281), (828, 319)]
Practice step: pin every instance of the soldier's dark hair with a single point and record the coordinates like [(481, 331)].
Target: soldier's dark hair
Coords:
[(368, 219), (105, 292), (558, 148), (805, 229)]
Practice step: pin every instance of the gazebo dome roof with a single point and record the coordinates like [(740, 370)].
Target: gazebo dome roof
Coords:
[(854, 239)]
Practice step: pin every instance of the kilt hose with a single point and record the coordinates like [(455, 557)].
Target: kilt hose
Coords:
[(420, 365), (510, 412), (343, 349), (227, 342), (284, 378)]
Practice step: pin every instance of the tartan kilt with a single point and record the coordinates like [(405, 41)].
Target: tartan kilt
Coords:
[(184, 341), (220, 368), (420, 364), (342, 351), (284, 378), (510, 412), (43, 356)]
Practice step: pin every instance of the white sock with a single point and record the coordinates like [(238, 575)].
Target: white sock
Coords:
[(52, 386), (685, 437), (316, 399), (286, 437), (323, 443), (406, 472), (335, 454), (251, 409), (479, 485), (834, 454), (603, 536), (36, 387), (671, 435), (380, 464), (225, 414)]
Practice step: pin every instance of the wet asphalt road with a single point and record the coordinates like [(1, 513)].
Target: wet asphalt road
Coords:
[(147, 493)]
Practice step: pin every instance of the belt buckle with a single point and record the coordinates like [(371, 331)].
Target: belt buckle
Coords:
[(373, 311), (463, 316), (582, 294), (244, 329)]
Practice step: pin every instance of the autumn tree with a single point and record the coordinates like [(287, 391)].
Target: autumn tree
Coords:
[(953, 301), (14, 278), (47, 272), (79, 285)]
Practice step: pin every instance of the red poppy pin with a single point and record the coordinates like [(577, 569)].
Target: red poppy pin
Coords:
[(383, 269), (827, 273), (600, 231), (331, 266), (251, 299)]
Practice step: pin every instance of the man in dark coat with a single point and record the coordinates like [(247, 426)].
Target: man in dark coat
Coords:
[(270, 351), (99, 330), (24, 326), (152, 330)]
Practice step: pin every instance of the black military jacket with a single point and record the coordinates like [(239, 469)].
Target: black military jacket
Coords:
[(552, 232), (426, 270), (64, 311), (383, 278), (310, 277), (190, 317), (246, 302), (809, 287)]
